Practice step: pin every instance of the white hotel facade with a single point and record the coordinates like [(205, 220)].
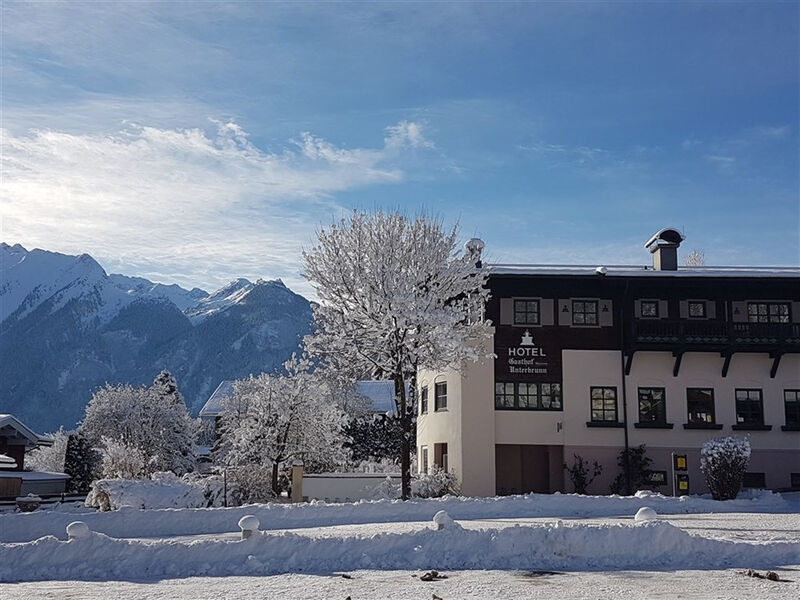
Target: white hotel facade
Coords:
[(589, 360)]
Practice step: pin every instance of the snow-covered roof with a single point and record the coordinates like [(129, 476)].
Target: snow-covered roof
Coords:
[(12, 426), (33, 475), (213, 406), (380, 393), (643, 271)]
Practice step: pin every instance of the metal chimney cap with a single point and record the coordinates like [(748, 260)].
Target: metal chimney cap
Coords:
[(666, 236)]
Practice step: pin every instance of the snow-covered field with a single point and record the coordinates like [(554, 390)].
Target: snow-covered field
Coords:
[(497, 548)]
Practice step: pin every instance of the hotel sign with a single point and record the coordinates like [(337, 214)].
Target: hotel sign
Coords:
[(521, 358)]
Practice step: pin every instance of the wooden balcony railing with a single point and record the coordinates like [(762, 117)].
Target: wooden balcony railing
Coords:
[(664, 333)]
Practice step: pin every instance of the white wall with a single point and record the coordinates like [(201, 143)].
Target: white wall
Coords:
[(343, 487)]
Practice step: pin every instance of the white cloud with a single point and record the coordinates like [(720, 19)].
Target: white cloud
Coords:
[(184, 205)]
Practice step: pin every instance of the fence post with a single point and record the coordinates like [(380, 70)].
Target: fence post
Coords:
[(297, 481)]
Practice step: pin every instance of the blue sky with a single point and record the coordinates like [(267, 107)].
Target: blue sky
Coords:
[(198, 142)]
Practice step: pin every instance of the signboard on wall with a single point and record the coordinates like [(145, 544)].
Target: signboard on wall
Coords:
[(522, 357)]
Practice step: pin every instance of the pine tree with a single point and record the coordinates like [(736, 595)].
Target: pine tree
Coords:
[(166, 386), (81, 463)]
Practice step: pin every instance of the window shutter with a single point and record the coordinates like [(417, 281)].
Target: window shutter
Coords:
[(663, 309), (795, 312), (637, 309), (565, 312), (711, 309), (684, 309), (739, 312), (546, 311), (606, 308), (506, 311)]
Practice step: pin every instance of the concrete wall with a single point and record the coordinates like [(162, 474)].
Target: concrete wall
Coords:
[(343, 487)]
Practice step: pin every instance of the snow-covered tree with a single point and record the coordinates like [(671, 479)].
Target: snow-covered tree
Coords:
[(723, 462), (141, 420), (396, 294), (123, 461), (166, 387), (695, 258), (270, 420), (50, 458)]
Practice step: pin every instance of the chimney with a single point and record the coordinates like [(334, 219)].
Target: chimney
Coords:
[(664, 248)]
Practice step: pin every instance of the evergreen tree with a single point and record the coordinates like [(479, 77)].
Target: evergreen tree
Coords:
[(81, 463), (374, 437), (166, 386)]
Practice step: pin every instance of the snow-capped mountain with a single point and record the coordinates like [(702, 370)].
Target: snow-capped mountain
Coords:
[(67, 327)]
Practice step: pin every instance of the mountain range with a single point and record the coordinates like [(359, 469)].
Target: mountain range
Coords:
[(67, 327)]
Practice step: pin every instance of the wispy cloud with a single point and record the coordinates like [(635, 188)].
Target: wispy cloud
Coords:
[(186, 205)]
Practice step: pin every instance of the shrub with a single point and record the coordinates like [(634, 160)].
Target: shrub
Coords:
[(581, 473), (723, 462), (639, 465), (435, 484)]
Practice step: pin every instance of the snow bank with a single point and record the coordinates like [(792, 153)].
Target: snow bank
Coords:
[(129, 522), (572, 547)]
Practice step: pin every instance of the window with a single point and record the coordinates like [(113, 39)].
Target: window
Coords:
[(440, 396), (700, 406), (504, 395), (584, 312), (527, 396), (768, 312), (423, 400), (794, 480), (423, 461), (649, 309), (697, 309), (526, 312), (754, 480), (749, 408), (604, 404), (652, 406), (791, 404), (440, 456)]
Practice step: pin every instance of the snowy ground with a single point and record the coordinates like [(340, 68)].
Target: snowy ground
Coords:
[(495, 551), (403, 585)]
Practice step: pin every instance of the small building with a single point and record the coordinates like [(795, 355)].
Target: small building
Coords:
[(212, 409), (590, 360), (15, 440)]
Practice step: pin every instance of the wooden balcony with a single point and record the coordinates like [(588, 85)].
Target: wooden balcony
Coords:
[(713, 335)]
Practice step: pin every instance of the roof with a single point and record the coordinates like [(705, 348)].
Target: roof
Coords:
[(213, 406), (33, 475), (10, 423), (380, 393), (643, 271)]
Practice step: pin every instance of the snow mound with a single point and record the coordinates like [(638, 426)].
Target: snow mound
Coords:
[(443, 521), (645, 514), (163, 490), (572, 547)]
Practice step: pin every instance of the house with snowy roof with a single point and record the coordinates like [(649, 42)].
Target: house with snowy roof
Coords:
[(592, 360), (16, 439), (379, 393)]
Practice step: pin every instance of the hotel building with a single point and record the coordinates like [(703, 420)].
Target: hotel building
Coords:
[(592, 359)]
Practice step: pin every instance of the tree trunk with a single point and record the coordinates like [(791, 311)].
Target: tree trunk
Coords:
[(405, 446), (275, 489)]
